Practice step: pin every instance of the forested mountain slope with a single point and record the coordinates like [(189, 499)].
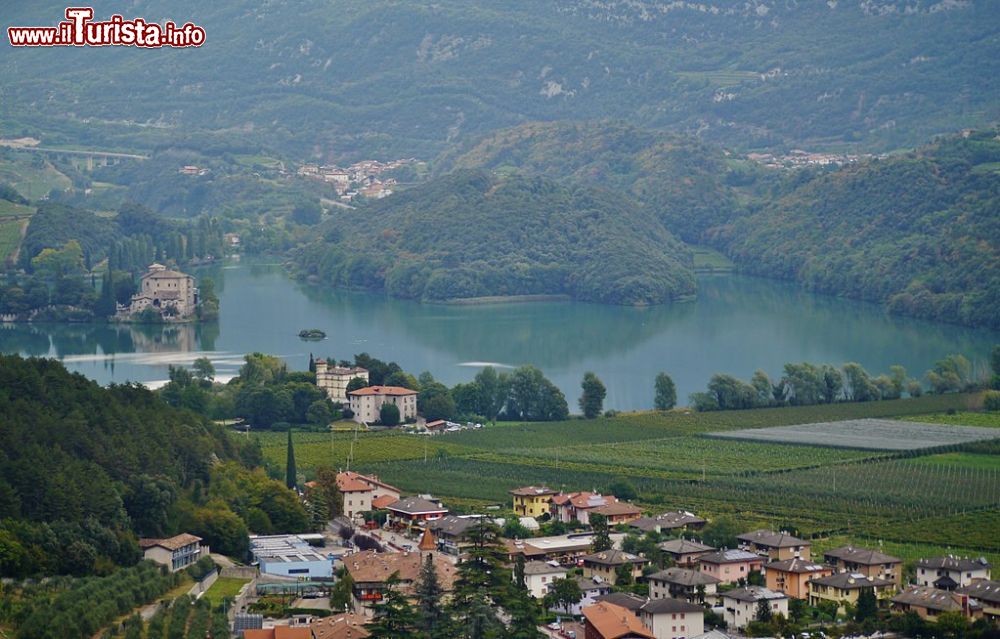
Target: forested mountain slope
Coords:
[(408, 78), (472, 234), (83, 467), (682, 182), (919, 232)]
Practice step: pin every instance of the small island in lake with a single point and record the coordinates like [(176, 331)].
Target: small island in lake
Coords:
[(312, 333)]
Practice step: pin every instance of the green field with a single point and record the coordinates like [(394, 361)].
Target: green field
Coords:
[(222, 588), (988, 420), (10, 237), (11, 209), (912, 499), (706, 259), (32, 180)]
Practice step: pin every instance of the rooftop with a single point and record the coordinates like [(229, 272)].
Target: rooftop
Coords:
[(683, 577), (729, 557), (625, 600), (416, 506), (171, 543), (612, 622), (953, 563), (372, 567), (851, 581), (861, 556), (283, 548), (796, 565), (342, 626), (684, 547), (382, 390), (619, 508), (613, 558), (543, 568), (675, 519), (932, 598), (771, 539), (532, 491), (669, 605), (752, 594), (982, 589)]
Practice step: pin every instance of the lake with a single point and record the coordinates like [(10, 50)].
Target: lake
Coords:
[(736, 325)]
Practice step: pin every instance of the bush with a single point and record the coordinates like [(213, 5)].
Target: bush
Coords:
[(991, 400)]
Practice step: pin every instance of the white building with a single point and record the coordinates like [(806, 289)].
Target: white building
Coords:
[(176, 553), (672, 618), (539, 575), (334, 379), (289, 556), (357, 494), (170, 293), (367, 402), (948, 573), (741, 605)]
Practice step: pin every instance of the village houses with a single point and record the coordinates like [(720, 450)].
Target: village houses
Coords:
[(845, 588), (870, 563)]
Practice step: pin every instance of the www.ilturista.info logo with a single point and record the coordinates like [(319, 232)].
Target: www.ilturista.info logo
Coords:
[(79, 30)]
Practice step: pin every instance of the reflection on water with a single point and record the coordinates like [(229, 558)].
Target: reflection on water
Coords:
[(736, 325)]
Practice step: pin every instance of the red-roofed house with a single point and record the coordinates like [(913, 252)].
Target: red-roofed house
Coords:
[(608, 621), (567, 507)]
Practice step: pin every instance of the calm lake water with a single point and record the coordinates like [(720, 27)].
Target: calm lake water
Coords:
[(736, 325)]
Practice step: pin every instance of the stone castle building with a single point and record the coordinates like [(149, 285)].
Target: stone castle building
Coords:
[(171, 293)]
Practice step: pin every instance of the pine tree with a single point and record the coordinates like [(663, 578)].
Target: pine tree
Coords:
[(394, 617), (428, 595), (291, 476), (602, 537), (867, 607)]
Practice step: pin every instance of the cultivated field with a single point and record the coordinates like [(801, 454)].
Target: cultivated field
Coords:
[(911, 498), (868, 434)]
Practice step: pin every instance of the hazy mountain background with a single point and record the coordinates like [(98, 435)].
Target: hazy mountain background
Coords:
[(332, 78)]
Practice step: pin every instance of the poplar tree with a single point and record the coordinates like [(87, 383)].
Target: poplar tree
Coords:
[(291, 476)]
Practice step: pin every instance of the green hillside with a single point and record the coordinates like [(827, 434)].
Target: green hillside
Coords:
[(918, 232), (470, 234), (681, 181), (409, 78)]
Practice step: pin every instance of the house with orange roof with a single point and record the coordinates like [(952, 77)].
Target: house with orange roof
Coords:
[(356, 494), (367, 402), (606, 620), (379, 487), (279, 632), (343, 626), (567, 507), (618, 513), (370, 571)]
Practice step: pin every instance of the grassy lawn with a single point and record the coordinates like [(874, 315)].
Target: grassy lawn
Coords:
[(224, 587), (961, 460)]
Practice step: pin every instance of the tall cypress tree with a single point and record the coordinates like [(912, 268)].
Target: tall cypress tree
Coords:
[(290, 474)]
